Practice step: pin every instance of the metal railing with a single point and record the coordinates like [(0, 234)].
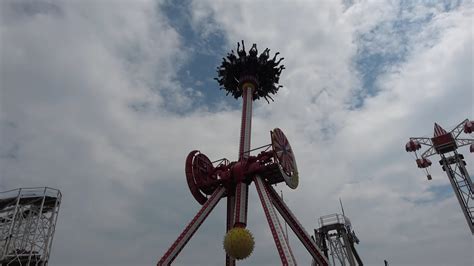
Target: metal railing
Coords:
[(30, 192), (334, 218), (27, 223)]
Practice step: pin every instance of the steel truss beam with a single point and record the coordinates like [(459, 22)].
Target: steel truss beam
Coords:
[(427, 142), (459, 128), (284, 250), (297, 228), (462, 186), (347, 245), (27, 224), (192, 227), (337, 250), (464, 142)]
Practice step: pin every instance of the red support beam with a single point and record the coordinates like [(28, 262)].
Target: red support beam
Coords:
[(192, 227), (284, 250), (297, 228)]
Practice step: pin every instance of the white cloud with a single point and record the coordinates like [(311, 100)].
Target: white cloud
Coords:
[(70, 77), (364, 160)]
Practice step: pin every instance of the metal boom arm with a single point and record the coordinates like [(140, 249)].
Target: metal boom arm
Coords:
[(459, 128)]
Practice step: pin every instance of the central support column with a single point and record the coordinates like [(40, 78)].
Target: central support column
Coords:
[(230, 223), (241, 189), (237, 202)]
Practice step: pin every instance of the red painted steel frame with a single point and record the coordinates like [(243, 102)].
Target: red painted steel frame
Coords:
[(233, 183), (284, 250), (241, 188), (230, 223), (294, 224), (240, 197), (192, 227), (190, 178)]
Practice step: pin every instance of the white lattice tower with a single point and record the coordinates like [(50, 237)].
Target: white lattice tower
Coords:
[(27, 223)]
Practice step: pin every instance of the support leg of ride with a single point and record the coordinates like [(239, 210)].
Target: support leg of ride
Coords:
[(192, 227), (296, 227), (283, 248)]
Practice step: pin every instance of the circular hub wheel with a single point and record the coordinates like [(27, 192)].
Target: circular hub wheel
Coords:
[(203, 173), (198, 171), (284, 156)]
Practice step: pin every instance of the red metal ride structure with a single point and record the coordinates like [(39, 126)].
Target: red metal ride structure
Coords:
[(446, 145), (251, 77)]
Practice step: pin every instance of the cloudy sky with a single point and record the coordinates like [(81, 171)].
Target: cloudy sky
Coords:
[(104, 100)]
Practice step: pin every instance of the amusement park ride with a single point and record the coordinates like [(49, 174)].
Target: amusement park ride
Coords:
[(27, 224), (336, 238), (251, 77), (446, 144)]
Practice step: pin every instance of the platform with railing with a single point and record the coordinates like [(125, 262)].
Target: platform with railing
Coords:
[(27, 223), (332, 221)]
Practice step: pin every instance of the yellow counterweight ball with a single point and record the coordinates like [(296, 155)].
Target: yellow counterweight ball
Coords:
[(238, 243)]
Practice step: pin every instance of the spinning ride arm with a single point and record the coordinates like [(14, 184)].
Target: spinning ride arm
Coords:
[(192, 227), (459, 128), (464, 142), (297, 228)]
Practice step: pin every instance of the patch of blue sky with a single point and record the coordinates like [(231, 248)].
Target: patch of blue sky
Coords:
[(205, 52), (438, 193), (389, 43)]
